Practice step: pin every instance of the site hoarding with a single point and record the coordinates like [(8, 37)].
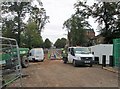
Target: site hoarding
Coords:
[(116, 52)]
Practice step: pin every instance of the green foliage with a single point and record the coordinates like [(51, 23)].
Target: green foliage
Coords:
[(106, 14), (76, 26), (38, 15), (57, 43), (60, 43), (19, 8), (47, 43), (30, 37), (15, 28), (8, 30)]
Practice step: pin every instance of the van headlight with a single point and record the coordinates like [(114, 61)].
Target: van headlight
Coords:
[(77, 58)]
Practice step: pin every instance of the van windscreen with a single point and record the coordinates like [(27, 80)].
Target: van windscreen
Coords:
[(38, 52), (81, 50), (32, 52)]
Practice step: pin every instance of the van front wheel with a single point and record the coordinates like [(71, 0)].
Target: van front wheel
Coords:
[(91, 65), (42, 60), (74, 63)]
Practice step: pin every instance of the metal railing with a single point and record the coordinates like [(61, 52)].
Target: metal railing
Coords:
[(10, 65)]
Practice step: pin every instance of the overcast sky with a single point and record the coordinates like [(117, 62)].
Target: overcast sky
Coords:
[(59, 11)]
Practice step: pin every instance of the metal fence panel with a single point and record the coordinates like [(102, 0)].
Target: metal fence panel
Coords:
[(10, 66)]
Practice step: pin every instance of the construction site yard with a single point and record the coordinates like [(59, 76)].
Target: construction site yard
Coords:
[(54, 73)]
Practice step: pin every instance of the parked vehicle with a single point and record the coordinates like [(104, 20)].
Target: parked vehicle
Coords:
[(36, 54), (80, 56), (6, 55), (24, 52)]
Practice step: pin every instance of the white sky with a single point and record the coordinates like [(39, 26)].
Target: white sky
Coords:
[(59, 11)]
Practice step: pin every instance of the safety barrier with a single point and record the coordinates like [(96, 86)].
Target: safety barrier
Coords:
[(10, 66)]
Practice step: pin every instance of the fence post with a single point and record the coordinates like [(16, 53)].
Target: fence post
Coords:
[(111, 61), (96, 60), (104, 61)]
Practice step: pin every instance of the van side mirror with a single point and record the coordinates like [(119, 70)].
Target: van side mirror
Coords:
[(93, 53), (30, 54), (72, 52)]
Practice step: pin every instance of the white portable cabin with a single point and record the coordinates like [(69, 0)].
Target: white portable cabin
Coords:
[(102, 49)]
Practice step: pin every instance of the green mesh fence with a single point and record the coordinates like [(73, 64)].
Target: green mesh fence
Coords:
[(116, 52)]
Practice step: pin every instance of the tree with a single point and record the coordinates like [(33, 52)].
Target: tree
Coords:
[(106, 14), (60, 43), (19, 10), (8, 30), (63, 42), (76, 26), (47, 43), (38, 15), (57, 43), (30, 37)]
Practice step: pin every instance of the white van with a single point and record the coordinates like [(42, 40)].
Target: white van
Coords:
[(80, 56), (36, 54)]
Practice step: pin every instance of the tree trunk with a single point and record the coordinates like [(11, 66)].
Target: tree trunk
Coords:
[(106, 24), (19, 28)]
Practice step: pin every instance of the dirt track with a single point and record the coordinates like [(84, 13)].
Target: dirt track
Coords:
[(53, 73)]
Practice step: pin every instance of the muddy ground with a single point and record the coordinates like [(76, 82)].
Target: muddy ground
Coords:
[(53, 73)]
